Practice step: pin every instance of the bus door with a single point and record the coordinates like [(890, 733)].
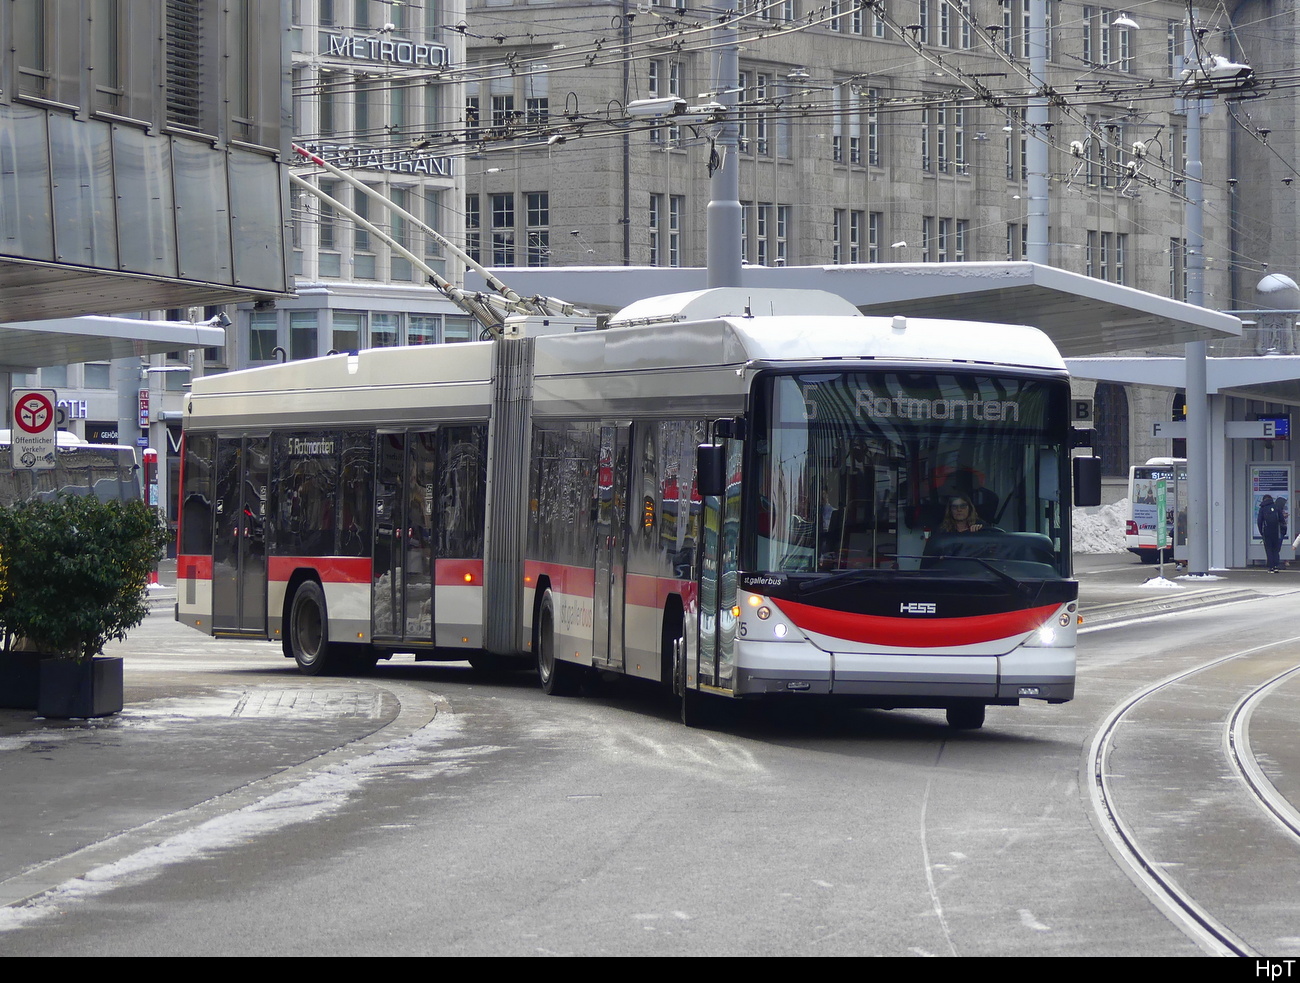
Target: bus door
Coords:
[(239, 535), (404, 536), (611, 546), (719, 557)]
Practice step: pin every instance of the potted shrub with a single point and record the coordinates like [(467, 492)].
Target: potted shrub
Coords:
[(75, 577)]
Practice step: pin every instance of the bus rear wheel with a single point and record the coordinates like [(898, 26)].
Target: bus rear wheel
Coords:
[(308, 634), (558, 678)]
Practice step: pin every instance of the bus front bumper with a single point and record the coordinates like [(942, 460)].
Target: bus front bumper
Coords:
[(771, 668)]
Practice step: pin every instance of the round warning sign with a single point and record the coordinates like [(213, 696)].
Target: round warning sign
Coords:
[(33, 412), (33, 429)]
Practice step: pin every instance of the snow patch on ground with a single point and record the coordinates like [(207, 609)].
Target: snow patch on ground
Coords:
[(1160, 583), (314, 798), (1100, 528)]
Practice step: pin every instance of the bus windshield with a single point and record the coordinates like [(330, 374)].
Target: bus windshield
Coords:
[(954, 472)]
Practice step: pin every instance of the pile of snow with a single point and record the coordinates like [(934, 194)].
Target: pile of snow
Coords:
[(1100, 528), (1161, 583)]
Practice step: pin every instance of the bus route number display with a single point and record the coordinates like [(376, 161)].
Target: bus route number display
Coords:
[(33, 428)]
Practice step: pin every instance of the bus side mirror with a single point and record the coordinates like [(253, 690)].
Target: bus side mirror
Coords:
[(711, 469), (1087, 481)]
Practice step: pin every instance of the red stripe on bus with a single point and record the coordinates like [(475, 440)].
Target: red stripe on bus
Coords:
[(578, 581), (193, 567), (653, 592), (330, 569), (914, 632), (458, 573)]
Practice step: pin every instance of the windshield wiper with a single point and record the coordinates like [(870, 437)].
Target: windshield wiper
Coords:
[(812, 586), (1002, 575)]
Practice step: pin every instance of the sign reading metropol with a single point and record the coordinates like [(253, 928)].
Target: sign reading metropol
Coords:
[(410, 54)]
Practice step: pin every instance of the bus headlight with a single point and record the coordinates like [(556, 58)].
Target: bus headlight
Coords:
[(762, 621), (1057, 632)]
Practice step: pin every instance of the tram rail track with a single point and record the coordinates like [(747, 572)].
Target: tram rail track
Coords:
[(1165, 891)]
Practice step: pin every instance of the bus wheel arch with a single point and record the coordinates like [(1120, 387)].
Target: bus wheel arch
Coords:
[(542, 589)]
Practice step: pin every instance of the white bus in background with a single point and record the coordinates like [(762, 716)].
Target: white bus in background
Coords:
[(1140, 527), (735, 493), (109, 472)]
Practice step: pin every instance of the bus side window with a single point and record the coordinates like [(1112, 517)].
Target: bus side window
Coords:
[(196, 496)]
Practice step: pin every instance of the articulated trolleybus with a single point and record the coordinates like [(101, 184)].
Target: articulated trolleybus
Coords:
[(737, 493)]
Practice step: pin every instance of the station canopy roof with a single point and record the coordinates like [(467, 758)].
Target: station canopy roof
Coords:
[(1082, 315), (1271, 378), (29, 345)]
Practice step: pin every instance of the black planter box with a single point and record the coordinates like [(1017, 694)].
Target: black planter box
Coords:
[(20, 680), (80, 689)]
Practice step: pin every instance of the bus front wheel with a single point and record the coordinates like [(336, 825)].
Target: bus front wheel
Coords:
[(309, 631), (966, 716)]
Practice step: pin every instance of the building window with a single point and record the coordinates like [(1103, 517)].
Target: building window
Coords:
[(263, 336), (1110, 407), (106, 55), (941, 132), (873, 127), (539, 228), (676, 208), (503, 115), (457, 328), (959, 139), (385, 330), (349, 331), (363, 260), (399, 267), (99, 375), (655, 71), (655, 219), (422, 329), (473, 227), (503, 230), (927, 160), (304, 335), (471, 111), (760, 117), (30, 47)]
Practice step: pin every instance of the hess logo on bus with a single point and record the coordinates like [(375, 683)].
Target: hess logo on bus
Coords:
[(916, 607)]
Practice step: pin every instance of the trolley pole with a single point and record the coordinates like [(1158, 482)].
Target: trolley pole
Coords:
[(724, 226), (1197, 398), (1039, 122)]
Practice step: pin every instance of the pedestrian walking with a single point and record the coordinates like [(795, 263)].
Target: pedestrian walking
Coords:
[(1269, 522)]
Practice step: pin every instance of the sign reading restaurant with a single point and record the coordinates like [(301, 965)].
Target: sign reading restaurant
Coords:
[(378, 159), (409, 54)]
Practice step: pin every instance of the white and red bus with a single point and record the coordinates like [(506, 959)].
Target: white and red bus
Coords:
[(1142, 522), (736, 493)]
